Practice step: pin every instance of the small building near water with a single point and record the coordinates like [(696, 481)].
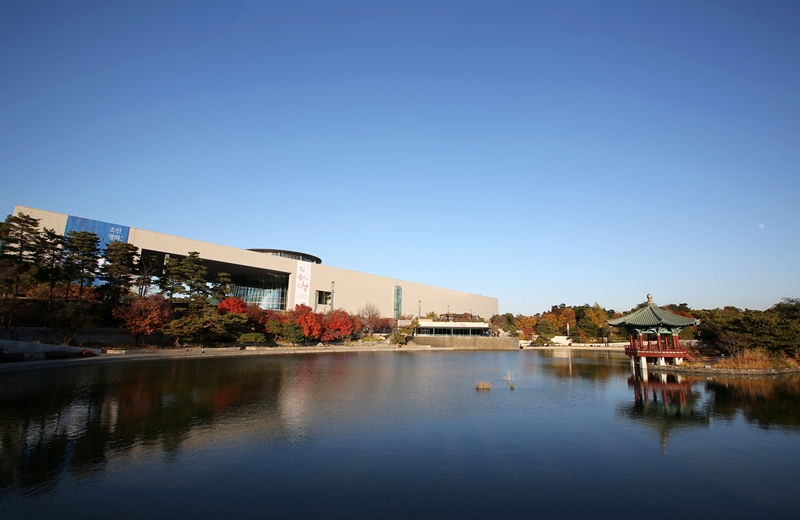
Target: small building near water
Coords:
[(653, 333)]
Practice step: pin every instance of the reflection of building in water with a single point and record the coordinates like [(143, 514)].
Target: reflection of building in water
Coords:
[(665, 403), (645, 328)]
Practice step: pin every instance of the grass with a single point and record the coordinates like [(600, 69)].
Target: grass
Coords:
[(483, 385), (758, 358)]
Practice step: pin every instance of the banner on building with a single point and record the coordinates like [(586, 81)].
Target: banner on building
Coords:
[(105, 231), (302, 285)]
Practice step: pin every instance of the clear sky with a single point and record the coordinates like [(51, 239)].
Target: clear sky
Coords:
[(538, 152)]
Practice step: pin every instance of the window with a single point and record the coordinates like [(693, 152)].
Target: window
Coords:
[(398, 301), (323, 298)]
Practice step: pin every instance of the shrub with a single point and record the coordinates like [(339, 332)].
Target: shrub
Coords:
[(252, 337)]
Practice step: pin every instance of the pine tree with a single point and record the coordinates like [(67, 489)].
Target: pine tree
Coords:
[(118, 270), (19, 236), (82, 257), (49, 258)]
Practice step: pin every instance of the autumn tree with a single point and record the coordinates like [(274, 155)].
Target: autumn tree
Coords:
[(144, 316), (234, 305), (310, 322), (370, 317), (336, 325)]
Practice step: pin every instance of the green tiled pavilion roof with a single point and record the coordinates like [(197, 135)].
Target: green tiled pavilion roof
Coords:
[(651, 316)]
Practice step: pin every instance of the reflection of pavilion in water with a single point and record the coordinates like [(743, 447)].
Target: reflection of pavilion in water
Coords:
[(665, 402)]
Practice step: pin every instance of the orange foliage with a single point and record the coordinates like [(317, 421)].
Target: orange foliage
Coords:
[(234, 305)]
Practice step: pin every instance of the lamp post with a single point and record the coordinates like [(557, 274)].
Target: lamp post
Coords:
[(332, 292), (419, 310)]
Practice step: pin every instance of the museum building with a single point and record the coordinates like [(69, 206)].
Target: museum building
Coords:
[(279, 279)]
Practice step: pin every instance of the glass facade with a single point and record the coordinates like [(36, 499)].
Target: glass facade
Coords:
[(268, 291), (447, 331), (398, 301)]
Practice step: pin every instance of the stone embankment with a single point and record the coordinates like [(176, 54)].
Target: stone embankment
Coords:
[(709, 370)]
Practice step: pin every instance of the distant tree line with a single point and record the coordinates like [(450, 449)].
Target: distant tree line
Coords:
[(730, 330), (70, 283)]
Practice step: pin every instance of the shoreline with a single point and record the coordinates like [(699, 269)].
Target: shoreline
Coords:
[(198, 352), (711, 371)]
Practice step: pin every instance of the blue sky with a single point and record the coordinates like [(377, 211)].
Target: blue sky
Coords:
[(538, 152)]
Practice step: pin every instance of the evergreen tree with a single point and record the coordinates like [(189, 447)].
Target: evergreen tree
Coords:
[(82, 257), (19, 236), (118, 270), (170, 282), (222, 287), (49, 258)]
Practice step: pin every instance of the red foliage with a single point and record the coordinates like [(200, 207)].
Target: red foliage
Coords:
[(336, 325), (255, 317), (527, 333), (309, 322), (145, 315), (276, 316), (358, 323), (386, 325), (234, 305)]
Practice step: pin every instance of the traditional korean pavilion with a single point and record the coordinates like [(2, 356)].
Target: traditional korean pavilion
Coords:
[(653, 333)]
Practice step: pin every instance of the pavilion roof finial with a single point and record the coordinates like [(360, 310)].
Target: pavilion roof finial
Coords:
[(649, 299)]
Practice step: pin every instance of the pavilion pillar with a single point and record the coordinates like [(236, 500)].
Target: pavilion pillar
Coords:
[(630, 340), (662, 361), (678, 361), (676, 341), (658, 341), (643, 366)]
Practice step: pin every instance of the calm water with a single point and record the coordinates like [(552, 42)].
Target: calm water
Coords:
[(394, 435)]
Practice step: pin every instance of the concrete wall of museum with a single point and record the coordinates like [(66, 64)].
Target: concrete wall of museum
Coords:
[(468, 342), (353, 289)]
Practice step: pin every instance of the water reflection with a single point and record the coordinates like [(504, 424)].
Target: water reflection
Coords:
[(593, 365), (769, 403), (668, 402), (356, 425), (49, 424)]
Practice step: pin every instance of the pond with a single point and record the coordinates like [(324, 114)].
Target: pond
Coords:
[(395, 435)]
